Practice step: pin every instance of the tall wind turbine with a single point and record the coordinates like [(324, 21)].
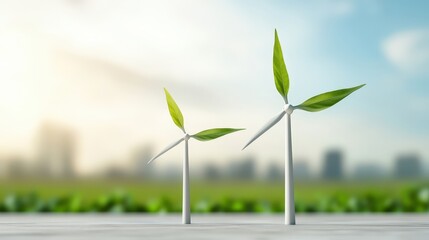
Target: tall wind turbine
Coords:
[(314, 104), (205, 135)]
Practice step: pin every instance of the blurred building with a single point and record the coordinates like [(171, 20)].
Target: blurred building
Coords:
[(173, 172), (212, 172), (333, 168), (140, 158), (301, 170), (116, 172), (16, 167), (408, 166), (55, 152), (242, 169), (275, 172), (368, 171)]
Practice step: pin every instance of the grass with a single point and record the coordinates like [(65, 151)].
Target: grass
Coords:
[(143, 191)]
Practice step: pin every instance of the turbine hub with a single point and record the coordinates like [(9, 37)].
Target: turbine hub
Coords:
[(288, 108), (187, 136)]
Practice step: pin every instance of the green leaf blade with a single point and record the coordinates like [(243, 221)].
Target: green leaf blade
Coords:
[(281, 76), (214, 133), (326, 100), (174, 110)]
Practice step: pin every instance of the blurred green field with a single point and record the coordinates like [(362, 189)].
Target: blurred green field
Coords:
[(314, 196), (143, 191)]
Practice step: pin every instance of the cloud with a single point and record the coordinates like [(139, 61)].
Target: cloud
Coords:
[(408, 50)]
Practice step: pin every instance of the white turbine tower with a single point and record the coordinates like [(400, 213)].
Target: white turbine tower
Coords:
[(205, 135), (314, 104)]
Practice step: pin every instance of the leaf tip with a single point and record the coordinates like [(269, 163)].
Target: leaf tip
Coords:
[(174, 110), (276, 35)]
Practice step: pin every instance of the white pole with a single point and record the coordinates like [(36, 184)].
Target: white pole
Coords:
[(186, 210), (289, 196)]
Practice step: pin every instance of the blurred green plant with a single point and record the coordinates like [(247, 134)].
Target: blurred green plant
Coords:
[(413, 200)]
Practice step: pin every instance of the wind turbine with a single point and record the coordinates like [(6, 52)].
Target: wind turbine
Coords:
[(314, 104), (205, 135)]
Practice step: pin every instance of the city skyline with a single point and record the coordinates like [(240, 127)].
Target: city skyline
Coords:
[(55, 158)]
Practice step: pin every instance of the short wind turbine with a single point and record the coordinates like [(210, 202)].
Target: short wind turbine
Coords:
[(314, 104), (205, 135)]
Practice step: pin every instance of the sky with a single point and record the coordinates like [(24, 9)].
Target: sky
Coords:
[(99, 68)]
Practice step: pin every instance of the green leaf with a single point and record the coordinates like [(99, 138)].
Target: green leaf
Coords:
[(214, 133), (326, 100), (281, 76), (175, 112)]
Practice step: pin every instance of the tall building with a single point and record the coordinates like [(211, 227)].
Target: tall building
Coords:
[(55, 152), (333, 168), (408, 166)]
